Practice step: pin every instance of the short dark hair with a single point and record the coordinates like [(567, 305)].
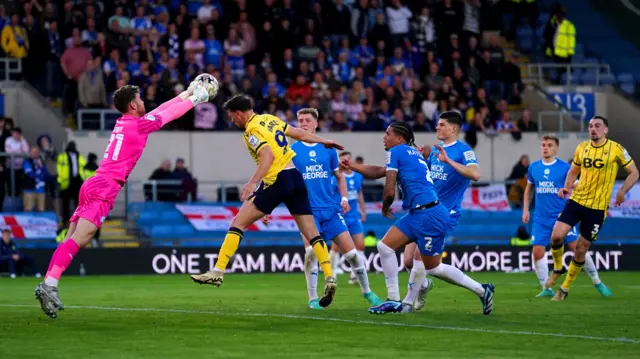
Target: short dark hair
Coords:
[(239, 102), (345, 153), (551, 138), (123, 97), (453, 117), (604, 120), (6, 230), (16, 129)]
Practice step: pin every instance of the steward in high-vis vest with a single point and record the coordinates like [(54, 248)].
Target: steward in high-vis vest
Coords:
[(370, 239), (91, 167), (70, 165), (564, 43)]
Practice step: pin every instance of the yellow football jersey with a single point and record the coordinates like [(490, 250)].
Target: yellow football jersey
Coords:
[(268, 130), (598, 170)]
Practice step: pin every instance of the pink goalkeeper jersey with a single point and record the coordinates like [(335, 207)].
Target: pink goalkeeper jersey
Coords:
[(127, 142)]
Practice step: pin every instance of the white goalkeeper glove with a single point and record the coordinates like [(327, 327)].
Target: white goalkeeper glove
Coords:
[(200, 95), (185, 94)]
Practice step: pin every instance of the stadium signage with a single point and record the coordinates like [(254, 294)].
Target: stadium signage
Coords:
[(291, 259)]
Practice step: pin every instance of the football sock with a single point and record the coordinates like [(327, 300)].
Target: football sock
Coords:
[(557, 251), (417, 278), (574, 269), (357, 267), (590, 269), (229, 247), (322, 253), (311, 273), (334, 257), (542, 271), (60, 261), (455, 276), (390, 268)]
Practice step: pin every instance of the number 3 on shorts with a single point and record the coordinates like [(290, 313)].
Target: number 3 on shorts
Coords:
[(594, 232)]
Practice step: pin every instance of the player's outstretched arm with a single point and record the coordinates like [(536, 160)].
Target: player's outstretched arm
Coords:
[(308, 137), (181, 97), (178, 109), (629, 182), (368, 171)]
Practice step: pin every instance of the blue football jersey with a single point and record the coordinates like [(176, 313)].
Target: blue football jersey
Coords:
[(354, 186), (317, 165), (414, 177), (548, 179), (451, 185)]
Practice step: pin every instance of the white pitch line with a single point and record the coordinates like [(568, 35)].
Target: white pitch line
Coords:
[(339, 320)]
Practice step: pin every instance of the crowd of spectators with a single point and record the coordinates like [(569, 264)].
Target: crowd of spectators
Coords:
[(363, 63)]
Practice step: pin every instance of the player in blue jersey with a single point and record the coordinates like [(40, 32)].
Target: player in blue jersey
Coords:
[(426, 224), (544, 179), (357, 213), (317, 165), (453, 165)]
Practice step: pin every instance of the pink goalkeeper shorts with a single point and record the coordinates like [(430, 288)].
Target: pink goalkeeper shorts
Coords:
[(96, 198)]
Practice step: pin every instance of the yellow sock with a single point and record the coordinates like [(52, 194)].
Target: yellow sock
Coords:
[(574, 269), (229, 247), (557, 252), (322, 253)]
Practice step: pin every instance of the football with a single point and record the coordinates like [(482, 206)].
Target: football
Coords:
[(210, 83)]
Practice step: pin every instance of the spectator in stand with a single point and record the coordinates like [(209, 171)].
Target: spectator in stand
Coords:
[(339, 122), (91, 90), (36, 177), (15, 41), (505, 124), (11, 257), (471, 25), (18, 146), (196, 47), (398, 15), (70, 168), (204, 12), (234, 48), (188, 187), (360, 25), (74, 62), (213, 49), (52, 92), (525, 124), (424, 31), (206, 116), (165, 192)]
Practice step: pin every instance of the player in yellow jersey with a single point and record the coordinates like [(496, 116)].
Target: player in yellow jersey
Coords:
[(275, 181), (597, 161)]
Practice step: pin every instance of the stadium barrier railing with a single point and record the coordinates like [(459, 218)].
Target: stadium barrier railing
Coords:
[(545, 117), (540, 72), (8, 67), (97, 119)]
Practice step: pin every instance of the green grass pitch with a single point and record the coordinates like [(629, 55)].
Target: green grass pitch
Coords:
[(265, 316)]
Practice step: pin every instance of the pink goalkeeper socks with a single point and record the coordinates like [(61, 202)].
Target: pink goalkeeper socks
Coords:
[(61, 260)]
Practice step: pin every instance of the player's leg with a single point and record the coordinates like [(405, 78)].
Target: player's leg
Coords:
[(589, 228), (335, 259), (387, 247), (541, 237), (356, 230), (345, 243), (311, 275), (246, 216), (589, 265), (569, 217)]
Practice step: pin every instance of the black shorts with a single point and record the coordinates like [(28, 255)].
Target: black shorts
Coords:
[(591, 220), (289, 188)]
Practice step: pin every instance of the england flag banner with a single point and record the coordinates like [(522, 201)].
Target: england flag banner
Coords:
[(28, 226), (491, 198)]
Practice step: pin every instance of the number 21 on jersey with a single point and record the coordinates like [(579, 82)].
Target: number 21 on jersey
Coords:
[(116, 150)]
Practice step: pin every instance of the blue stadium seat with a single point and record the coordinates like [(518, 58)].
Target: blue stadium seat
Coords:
[(625, 79)]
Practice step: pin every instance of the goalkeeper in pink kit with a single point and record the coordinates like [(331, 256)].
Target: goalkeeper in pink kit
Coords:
[(98, 193)]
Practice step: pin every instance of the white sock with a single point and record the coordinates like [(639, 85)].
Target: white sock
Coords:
[(390, 268), (311, 273), (542, 271), (455, 276), (334, 257), (51, 282), (364, 259), (357, 267), (590, 269), (417, 278)]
